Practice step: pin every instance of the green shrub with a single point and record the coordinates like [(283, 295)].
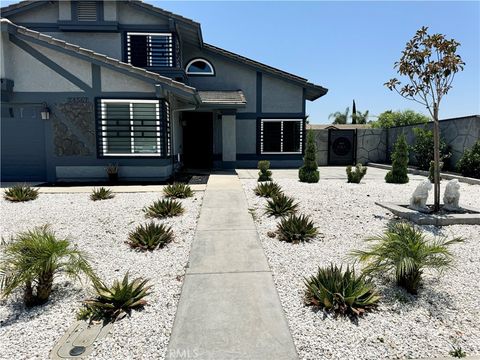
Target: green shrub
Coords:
[(341, 292), (178, 190), (356, 175), (164, 208), (457, 352), (309, 173), (296, 229), (32, 259), (280, 205), (267, 189), (113, 303), (404, 251), (264, 174), (150, 236), (20, 192), (423, 149), (101, 194), (398, 174), (469, 163)]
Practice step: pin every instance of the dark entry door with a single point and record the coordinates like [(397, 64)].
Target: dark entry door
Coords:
[(22, 144), (341, 147), (197, 140)]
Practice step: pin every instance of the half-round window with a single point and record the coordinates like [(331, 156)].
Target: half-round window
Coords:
[(200, 67)]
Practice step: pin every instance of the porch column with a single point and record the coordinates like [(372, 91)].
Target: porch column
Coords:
[(229, 140)]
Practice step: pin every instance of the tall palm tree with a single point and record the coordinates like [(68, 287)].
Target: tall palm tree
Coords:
[(361, 118), (339, 117)]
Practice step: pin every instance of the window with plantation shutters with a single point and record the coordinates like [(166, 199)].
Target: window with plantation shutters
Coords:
[(133, 127), (281, 136), (86, 11), (150, 49)]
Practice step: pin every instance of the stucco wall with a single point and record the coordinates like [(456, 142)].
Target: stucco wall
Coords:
[(128, 14), (281, 96), (246, 136), (47, 13)]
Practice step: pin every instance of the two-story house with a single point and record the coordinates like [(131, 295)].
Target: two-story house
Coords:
[(88, 83)]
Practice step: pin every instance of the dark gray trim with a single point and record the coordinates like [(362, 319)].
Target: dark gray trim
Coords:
[(52, 65), (84, 26), (259, 92), (96, 79), (269, 157), (253, 116)]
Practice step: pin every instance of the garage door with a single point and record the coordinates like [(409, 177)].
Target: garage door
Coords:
[(22, 144)]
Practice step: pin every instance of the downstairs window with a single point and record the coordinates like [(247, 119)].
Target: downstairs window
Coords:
[(281, 136), (133, 127)]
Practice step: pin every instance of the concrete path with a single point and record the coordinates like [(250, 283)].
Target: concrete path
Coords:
[(229, 307)]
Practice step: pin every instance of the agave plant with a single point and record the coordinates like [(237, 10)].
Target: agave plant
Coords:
[(178, 190), (341, 292), (20, 192), (150, 236), (280, 205), (113, 303), (101, 194), (32, 259), (404, 251), (267, 189), (164, 208), (296, 229)]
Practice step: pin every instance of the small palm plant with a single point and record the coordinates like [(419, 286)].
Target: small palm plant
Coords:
[(32, 259), (406, 252), (115, 302), (296, 229), (178, 191), (267, 189), (341, 292), (164, 208), (101, 194), (280, 205), (150, 236), (20, 193)]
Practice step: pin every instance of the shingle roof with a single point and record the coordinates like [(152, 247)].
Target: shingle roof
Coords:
[(313, 91), (228, 97), (75, 49)]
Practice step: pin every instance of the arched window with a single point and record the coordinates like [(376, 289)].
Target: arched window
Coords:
[(200, 67)]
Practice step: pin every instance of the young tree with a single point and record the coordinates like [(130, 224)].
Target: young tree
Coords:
[(430, 63), (398, 174), (309, 171)]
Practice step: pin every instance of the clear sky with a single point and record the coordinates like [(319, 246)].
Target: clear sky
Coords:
[(348, 47)]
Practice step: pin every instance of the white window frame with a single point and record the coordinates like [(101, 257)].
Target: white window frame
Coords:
[(212, 72), (149, 41), (262, 121), (130, 103)]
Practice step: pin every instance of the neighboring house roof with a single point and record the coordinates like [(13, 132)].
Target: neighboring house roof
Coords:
[(338, 126), (77, 50), (228, 97), (313, 91)]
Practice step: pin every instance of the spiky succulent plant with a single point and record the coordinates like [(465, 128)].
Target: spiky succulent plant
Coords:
[(150, 236), (280, 205), (20, 193), (164, 208), (101, 194), (178, 191), (267, 189), (296, 229)]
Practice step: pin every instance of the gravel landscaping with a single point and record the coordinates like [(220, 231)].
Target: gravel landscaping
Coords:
[(446, 310), (100, 229)]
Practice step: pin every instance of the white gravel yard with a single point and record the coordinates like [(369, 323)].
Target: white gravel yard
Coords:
[(100, 229), (445, 311)]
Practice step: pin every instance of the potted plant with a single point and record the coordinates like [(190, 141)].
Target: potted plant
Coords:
[(112, 172)]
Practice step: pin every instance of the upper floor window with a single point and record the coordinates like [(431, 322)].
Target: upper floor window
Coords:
[(199, 67), (150, 49)]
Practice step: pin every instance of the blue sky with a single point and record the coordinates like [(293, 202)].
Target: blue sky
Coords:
[(347, 47)]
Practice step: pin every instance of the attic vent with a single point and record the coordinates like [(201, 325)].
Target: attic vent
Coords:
[(87, 11)]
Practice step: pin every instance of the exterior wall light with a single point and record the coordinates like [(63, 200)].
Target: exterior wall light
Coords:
[(45, 113)]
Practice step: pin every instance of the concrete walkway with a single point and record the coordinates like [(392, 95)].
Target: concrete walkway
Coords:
[(229, 307)]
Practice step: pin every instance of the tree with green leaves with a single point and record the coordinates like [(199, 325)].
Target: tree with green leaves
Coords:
[(398, 174), (339, 117), (430, 63), (309, 171), (390, 118)]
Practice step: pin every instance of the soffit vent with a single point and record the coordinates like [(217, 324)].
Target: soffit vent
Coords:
[(87, 11)]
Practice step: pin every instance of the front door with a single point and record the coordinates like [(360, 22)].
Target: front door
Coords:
[(197, 140)]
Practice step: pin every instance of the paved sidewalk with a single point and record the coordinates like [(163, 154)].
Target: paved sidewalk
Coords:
[(229, 307)]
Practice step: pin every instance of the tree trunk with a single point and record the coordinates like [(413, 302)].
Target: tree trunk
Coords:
[(28, 298), (44, 288), (436, 159)]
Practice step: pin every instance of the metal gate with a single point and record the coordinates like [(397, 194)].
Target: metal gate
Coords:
[(341, 147)]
